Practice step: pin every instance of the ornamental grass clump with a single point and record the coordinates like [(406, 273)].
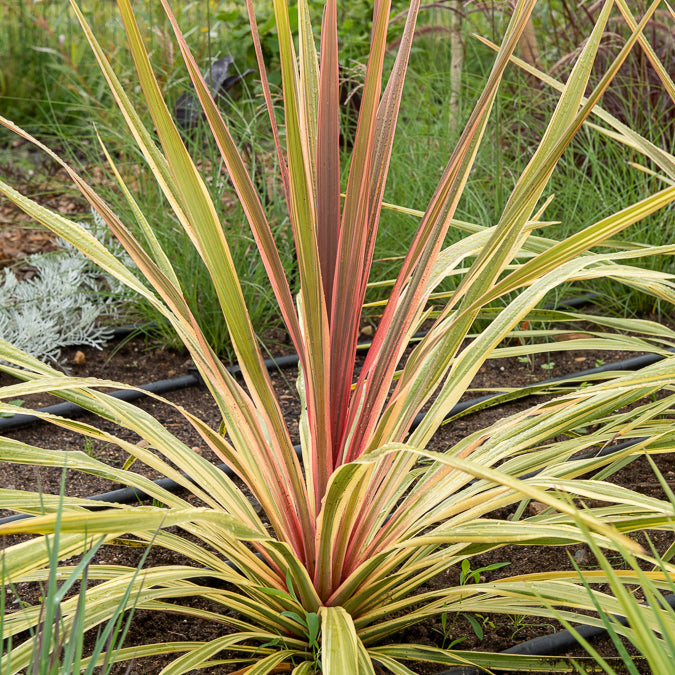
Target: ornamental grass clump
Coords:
[(55, 651), (330, 569)]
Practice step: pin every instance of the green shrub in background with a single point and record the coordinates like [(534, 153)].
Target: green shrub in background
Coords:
[(50, 88), (44, 81), (47, 83)]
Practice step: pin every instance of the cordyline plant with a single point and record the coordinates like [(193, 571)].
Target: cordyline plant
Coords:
[(353, 527)]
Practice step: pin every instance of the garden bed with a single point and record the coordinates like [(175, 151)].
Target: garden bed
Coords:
[(364, 556), (137, 361)]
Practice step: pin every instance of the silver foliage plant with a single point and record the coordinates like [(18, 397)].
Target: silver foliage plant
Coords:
[(63, 303)]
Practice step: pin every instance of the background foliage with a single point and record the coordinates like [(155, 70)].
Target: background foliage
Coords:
[(49, 86)]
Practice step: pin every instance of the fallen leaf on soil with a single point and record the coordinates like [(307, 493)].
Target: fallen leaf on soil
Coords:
[(17, 242), (535, 508)]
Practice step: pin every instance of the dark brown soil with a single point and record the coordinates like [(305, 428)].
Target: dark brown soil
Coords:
[(19, 234), (139, 362)]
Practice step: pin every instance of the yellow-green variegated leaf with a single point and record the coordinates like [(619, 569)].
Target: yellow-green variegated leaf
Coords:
[(469, 361), (522, 487), (21, 559), (159, 255), (36, 504), (508, 234), (130, 519), (486, 660), (269, 664), (487, 531), (342, 652), (203, 652), (664, 160)]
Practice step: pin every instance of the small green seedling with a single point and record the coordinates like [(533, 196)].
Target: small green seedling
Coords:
[(522, 622), (445, 630), (309, 621), (88, 447), (17, 402), (478, 622), (467, 575)]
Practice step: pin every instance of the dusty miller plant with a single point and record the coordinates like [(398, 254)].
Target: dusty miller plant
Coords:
[(62, 304), (332, 572)]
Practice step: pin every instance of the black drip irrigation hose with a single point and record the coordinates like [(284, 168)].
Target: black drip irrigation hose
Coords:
[(634, 363), (131, 330), (72, 410), (553, 644), (545, 645), (192, 380), (120, 332), (130, 495), (160, 387)]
